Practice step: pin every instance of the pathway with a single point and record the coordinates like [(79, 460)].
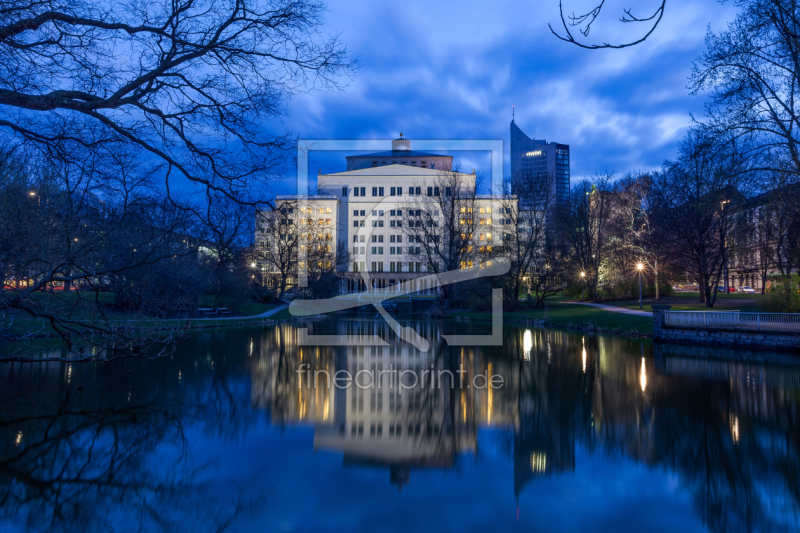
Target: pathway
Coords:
[(614, 309), (265, 314)]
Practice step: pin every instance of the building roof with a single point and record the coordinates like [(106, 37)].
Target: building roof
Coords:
[(396, 153), (407, 171), (307, 197)]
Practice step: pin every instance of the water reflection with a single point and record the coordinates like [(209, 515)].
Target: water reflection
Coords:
[(140, 443), (728, 429)]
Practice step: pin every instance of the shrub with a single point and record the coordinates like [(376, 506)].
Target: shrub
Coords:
[(784, 295), (630, 289), (573, 291)]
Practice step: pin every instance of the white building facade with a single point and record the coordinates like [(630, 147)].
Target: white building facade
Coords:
[(377, 214)]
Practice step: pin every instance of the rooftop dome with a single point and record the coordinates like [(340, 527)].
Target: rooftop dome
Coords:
[(401, 144)]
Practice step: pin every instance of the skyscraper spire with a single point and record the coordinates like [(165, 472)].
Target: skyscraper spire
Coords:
[(512, 113)]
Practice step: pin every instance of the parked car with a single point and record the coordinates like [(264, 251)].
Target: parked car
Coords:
[(731, 289), (749, 290)]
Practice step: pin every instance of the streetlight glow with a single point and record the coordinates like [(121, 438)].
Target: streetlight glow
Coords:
[(639, 267), (583, 279)]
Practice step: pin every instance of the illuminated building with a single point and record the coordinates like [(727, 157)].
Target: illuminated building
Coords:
[(539, 160)]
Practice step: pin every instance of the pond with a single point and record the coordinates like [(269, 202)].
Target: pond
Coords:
[(242, 430)]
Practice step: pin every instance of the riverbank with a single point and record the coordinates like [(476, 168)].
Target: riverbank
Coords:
[(571, 316), (251, 313)]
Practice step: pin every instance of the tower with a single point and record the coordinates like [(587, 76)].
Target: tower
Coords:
[(536, 159)]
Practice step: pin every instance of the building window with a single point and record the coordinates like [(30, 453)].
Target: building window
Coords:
[(344, 191), (374, 191), (355, 212)]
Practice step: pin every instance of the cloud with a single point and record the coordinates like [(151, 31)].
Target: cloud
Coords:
[(432, 70)]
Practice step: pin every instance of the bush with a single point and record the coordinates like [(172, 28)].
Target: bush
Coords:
[(784, 295), (630, 289), (573, 291)]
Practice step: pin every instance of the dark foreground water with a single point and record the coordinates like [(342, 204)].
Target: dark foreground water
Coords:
[(584, 434)]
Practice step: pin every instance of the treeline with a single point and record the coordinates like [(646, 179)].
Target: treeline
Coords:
[(731, 197), (82, 250)]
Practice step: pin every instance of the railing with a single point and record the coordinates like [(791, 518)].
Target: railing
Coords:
[(733, 320)]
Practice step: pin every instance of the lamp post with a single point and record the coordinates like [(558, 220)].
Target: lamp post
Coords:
[(639, 267), (725, 266), (583, 290)]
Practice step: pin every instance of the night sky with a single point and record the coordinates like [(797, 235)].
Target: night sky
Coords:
[(436, 71)]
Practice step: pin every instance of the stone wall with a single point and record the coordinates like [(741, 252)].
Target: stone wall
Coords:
[(721, 337)]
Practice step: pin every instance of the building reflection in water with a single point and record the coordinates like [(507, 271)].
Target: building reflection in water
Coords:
[(79, 442), (716, 423), (425, 426)]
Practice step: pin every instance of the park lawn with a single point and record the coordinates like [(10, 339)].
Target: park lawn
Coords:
[(253, 308), (565, 314), (283, 314), (690, 301)]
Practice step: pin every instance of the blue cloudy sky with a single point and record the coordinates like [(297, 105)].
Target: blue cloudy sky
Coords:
[(439, 69)]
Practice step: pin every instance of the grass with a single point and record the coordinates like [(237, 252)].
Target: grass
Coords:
[(253, 308), (690, 301), (566, 314), (24, 325)]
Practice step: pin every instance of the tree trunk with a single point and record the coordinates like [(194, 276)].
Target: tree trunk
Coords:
[(655, 270)]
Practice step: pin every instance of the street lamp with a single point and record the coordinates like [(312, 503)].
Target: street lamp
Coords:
[(639, 267), (583, 290)]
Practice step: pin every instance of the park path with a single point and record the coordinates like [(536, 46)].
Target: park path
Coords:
[(265, 314), (615, 309)]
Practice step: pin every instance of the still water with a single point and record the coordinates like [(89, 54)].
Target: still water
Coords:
[(583, 433)]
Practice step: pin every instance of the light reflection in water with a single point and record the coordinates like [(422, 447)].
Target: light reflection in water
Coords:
[(527, 344), (551, 411), (643, 377), (583, 342)]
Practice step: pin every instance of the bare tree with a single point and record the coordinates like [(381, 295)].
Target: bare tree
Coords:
[(192, 83), (694, 200), (441, 223), (752, 70), (82, 235), (295, 236), (536, 259), (586, 226), (584, 24), (634, 223)]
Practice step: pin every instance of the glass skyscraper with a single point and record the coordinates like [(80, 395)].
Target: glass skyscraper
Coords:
[(536, 159)]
